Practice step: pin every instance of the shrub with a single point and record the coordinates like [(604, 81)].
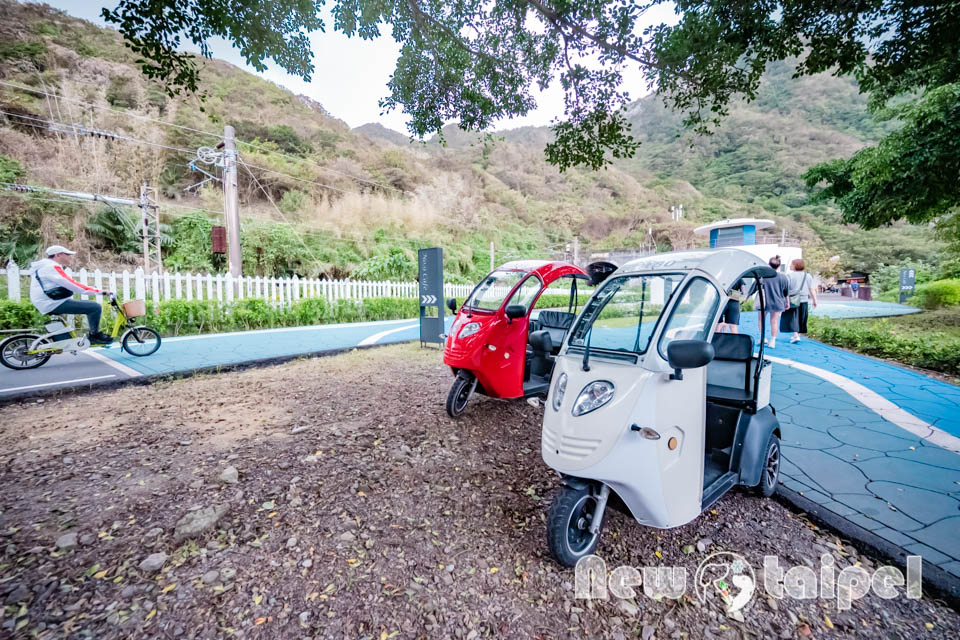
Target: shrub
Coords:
[(939, 293), (22, 50), (390, 308), (122, 93), (929, 350), (190, 317), (19, 315)]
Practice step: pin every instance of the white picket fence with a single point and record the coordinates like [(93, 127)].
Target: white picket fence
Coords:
[(224, 287)]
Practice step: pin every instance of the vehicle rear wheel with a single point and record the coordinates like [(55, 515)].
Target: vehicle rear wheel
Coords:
[(770, 475), (460, 392), (141, 341), (568, 525), (13, 352)]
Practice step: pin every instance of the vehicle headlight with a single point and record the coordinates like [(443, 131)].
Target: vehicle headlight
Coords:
[(594, 395), (469, 329), (558, 391)]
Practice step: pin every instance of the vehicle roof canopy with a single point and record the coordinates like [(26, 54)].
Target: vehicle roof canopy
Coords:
[(726, 265), (547, 270)]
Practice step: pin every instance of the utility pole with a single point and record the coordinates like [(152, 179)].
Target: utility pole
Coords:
[(492, 256), (576, 250), (149, 214), (230, 203), (150, 230), (145, 227)]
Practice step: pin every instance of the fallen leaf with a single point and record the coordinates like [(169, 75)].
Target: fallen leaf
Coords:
[(828, 622), (259, 621), (169, 588)]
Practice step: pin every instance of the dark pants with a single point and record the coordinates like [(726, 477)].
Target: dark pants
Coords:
[(88, 308), (794, 319), (803, 311)]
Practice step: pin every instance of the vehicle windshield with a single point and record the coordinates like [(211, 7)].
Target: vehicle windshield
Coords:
[(623, 314), (490, 293)]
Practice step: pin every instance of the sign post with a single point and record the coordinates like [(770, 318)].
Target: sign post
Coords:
[(908, 279), (430, 263)]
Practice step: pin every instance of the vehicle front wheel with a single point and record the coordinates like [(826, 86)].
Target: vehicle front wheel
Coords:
[(568, 525), (460, 392), (141, 341), (14, 352), (770, 475)]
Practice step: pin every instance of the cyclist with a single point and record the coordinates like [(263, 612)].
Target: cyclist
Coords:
[(51, 291)]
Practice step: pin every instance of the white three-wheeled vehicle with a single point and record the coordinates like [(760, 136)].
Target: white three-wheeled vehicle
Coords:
[(652, 411)]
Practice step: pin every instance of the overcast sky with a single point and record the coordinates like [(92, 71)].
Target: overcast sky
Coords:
[(351, 74)]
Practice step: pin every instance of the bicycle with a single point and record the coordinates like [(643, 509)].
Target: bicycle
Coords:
[(31, 350)]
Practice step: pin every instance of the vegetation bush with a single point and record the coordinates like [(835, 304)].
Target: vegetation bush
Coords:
[(191, 317), (22, 50), (939, 293), (122, 92), (18, 315), (938, 351)]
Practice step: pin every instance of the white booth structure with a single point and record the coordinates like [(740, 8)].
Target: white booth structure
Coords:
[(742, 233)]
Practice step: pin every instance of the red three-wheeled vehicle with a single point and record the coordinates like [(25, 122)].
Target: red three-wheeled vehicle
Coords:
[(499, 345)]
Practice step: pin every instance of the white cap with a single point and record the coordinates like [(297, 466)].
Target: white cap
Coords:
[(54, 249)]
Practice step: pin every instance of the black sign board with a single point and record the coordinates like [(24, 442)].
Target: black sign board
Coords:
[(430, 263), (908, 279)]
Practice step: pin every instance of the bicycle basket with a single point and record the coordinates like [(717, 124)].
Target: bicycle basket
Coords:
[(135, 308)]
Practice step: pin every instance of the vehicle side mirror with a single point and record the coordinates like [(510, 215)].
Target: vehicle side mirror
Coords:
[(515, 311), (688, 354), (452, 304)]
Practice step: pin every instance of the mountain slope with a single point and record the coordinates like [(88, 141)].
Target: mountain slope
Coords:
[(317, 197)]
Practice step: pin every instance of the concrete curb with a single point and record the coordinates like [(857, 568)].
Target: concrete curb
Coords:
[(109, 385), (945, 585)]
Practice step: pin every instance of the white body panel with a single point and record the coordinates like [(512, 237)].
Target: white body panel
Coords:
[(661, 486)]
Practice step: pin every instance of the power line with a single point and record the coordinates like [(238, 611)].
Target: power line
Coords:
[(28, 192), (117, 111), (324, 168), (80, 130), (313, 182), (208, 133)]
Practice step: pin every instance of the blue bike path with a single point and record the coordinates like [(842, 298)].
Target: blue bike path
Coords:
[(186, 353), (870, 442)]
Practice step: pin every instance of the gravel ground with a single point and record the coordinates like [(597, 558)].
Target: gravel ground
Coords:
[(333, 498)]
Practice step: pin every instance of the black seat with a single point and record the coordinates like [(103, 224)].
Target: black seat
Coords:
[(541, 362), (557, 323), (731, 349)]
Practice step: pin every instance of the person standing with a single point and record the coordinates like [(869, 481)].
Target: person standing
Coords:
[(776, 295), (802, 292), (51, 291), (730, 317)]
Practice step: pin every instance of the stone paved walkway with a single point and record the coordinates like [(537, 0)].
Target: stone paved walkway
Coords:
[(843, 455)]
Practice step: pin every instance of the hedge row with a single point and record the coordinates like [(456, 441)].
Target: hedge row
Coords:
[(937, 294), (935, 351), (182, 317)]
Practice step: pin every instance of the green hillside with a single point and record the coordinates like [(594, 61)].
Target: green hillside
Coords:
[(317, 197)]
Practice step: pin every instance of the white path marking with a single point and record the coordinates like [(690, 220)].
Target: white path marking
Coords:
[(122, 368), (312, 327), (880, 405), (51, 384), (375, 337)]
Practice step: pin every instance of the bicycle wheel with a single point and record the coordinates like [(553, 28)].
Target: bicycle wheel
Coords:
[(14, 352), (141, 341)]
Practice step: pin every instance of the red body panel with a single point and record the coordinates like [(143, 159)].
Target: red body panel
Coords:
[(496, 353)]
